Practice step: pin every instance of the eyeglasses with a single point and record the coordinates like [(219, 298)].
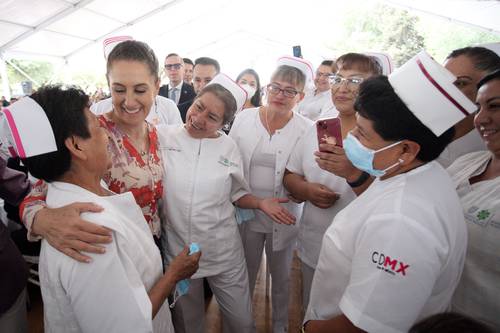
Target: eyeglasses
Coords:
[(274, 89), (352, 82), (173, 66)]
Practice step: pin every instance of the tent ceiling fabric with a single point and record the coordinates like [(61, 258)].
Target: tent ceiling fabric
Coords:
[(71, 29)]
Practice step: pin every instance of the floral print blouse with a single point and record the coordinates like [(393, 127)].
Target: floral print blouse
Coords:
[(140, 174)]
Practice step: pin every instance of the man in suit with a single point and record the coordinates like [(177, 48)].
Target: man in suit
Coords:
[(188, 70), (176, 90), (205, 69)]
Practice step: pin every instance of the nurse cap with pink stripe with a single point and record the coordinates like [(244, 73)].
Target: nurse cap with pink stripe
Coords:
[(303, 65), (428, 91), (26, 130), (239, 94), (110, 43)]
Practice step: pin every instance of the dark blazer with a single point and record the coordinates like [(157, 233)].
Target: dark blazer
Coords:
[(187, 92), (183, 107)]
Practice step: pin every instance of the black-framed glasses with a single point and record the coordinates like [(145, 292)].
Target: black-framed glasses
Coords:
[(352, 82), (274, 89), (173, 66)]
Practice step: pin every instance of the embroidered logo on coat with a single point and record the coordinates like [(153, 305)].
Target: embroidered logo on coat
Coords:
[(478, 216), (226, 162)]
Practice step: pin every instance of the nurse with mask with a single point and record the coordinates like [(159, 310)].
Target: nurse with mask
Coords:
[(395, 254)]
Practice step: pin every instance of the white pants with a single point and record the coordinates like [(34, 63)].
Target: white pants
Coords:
[(279, 265), (233, 296), (307, 279)]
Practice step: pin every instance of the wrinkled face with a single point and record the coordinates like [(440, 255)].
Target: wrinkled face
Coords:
[(97, 145), (345, 92), (321, 80), (282, 96), (188, 73), (174, 67), (205, 116), (467, 76), (202, 75), (487, 120), (133, 91)]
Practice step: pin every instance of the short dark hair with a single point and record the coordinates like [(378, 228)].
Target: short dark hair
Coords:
[(256, 99), (360, 62), (64, 108), (492, 76), (449, 322), (208, 61), (134, 50), (484, 59), (225, 96), (393, 121), (328, 63), (188, 61)]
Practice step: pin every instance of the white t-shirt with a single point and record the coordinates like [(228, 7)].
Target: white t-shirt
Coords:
[(202, 179), (163, 111), (468, 143), (110, 294), (315, 220), (313, 105), (478, 293), (394, 255)]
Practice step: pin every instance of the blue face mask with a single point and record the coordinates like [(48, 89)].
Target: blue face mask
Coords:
[(182, 287), (362, 157)]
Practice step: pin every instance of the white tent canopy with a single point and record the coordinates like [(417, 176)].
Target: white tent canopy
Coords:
[(72, 31)]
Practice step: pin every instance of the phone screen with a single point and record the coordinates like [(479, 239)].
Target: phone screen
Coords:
[(329, 131), (297, 51)]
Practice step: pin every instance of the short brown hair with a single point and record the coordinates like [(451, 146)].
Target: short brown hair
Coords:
[(360, 62)]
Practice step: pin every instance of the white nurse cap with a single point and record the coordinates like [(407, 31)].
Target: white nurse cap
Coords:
[(239, 94), (384, 60), (26, 130), (428, 91), (110, 43), (303, 65), (495, 47)]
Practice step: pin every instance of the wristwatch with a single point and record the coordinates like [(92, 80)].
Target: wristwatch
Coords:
[(360, 181)]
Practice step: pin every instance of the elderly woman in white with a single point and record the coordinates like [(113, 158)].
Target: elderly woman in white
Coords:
[(266, 137), (123, 290), (203, 178)]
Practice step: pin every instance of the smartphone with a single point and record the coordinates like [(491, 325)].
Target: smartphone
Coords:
[(329, 131), (297, 51)]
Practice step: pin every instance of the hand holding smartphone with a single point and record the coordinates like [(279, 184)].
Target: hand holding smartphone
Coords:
[(329, 131)]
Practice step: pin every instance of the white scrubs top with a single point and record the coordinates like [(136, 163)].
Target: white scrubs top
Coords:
[(478, 293), (313, 105), (110, 294), (246, 132), (202, 179), (394, 255), (468, 143), (315, 220), (164, 111)]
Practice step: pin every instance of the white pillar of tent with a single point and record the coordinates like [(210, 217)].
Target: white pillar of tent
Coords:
[(5, 78)]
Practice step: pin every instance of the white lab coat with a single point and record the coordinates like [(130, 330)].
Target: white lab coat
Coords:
[(312, 106), (110, 294), (478, 293), (315, 221), (394, 255), (245, 133), (203, 177), (164, 111), (468, 143)]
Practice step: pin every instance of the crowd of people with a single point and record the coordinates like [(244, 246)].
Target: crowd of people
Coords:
[(395, 222)]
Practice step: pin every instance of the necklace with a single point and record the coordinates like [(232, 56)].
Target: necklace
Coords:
[(267, 125)]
